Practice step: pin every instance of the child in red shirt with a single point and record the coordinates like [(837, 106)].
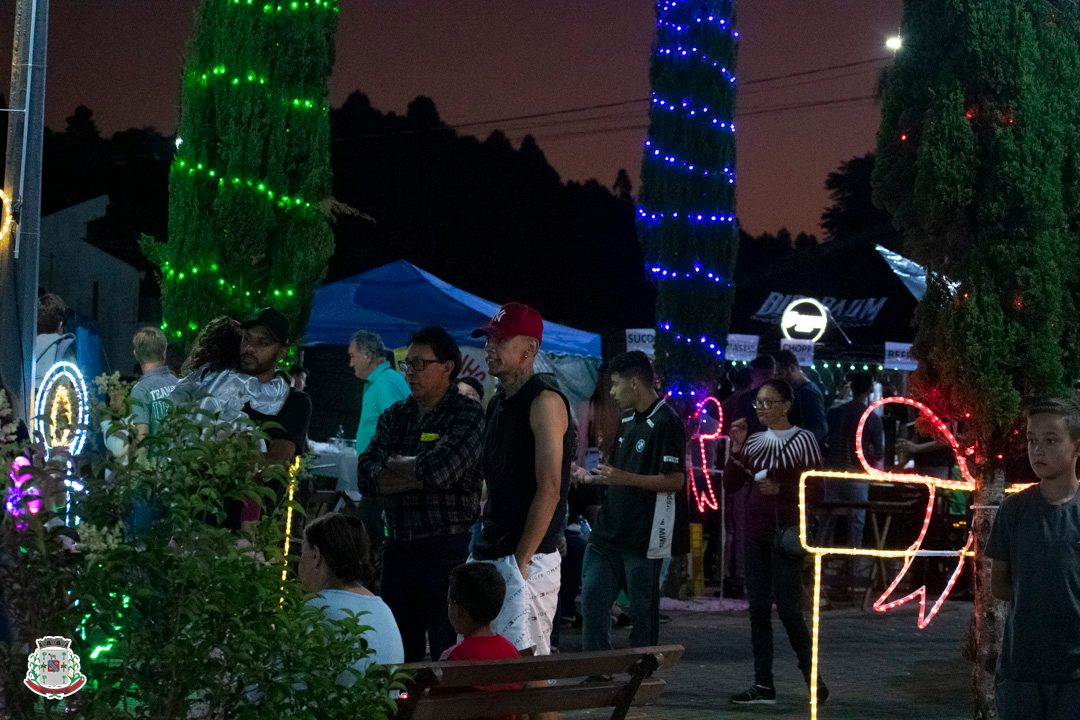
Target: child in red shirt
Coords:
[(475, 598)]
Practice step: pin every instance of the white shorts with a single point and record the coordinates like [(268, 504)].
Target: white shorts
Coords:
[(529, 606)]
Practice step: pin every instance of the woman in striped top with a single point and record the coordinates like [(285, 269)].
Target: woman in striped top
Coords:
[(772, 462)]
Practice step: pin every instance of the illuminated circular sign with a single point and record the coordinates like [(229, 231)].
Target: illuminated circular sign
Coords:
[(62, 409), (804, 319)]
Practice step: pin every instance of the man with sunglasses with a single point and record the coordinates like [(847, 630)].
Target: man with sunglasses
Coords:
[(424, 461)]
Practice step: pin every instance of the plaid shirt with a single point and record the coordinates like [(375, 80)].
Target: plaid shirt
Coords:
[(447, 443)]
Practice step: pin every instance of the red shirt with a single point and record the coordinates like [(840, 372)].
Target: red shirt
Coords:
[(491, 647)]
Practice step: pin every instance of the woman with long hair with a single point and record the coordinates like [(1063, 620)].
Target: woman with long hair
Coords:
[(335, 563), (772, 461)]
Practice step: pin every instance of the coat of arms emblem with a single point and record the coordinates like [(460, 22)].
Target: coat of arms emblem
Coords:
[(52, 671)]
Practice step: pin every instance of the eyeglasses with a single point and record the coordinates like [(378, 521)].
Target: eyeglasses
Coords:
[(415, 366), (766, 404)]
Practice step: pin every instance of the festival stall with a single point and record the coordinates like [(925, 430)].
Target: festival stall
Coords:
[(397, 299)]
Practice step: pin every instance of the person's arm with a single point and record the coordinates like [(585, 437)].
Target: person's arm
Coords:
[(444, 463), (549, 422), (914, 448), (282, 447), (663, 483), (140, 412), (672, 468), (736, 473), (371, 462), (1000, 580)]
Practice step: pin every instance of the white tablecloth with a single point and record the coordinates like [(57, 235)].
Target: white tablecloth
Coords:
[(339, 463)]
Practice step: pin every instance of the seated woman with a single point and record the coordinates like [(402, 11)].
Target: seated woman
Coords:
[(335, 562)]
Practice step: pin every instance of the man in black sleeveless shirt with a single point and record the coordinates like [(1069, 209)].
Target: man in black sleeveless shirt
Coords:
[(527, 452)]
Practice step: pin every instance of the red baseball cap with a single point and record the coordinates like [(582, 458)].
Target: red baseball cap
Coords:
[(513, 319)]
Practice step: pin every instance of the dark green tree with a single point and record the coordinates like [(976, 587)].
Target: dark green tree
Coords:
[(852, 213), (977, 160), (686, 216), (251, 178)]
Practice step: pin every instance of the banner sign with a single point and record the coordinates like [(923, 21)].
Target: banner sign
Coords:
[(741, 347), (847, 312), (642, 339), (898, 357), (803, 349)]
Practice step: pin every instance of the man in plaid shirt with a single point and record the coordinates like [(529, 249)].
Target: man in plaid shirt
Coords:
[(425, 462)]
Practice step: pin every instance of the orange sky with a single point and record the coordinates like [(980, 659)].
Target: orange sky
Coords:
[(486, 59)]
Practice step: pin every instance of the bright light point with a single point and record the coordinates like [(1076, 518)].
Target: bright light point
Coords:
[(894, 43), (179, 142)]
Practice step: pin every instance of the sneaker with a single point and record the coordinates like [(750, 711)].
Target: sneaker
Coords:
[(755, 695)]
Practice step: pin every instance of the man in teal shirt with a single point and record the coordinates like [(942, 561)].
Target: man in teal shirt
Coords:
[(383, 386)]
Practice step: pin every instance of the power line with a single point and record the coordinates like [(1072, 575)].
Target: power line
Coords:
[(602, 106), (642, 126)]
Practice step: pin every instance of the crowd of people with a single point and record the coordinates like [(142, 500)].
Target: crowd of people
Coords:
[(481, 525)]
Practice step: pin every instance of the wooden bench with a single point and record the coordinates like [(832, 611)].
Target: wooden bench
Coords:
[(448, 690)]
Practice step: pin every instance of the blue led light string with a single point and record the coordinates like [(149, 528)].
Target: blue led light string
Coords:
[(654, 153), (692, 52), (686, 215), (692, 111), (659, 272)]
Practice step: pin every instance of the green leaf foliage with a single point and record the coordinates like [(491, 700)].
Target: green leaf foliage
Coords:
[(978, 160), (172, 615), (700, 86), (246, 226)]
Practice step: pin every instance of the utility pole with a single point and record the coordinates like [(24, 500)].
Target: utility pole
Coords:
[(20, 244)]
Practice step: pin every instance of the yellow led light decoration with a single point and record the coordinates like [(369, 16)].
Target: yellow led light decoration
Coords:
[(872, 475), (8, 219), (61, 417), (293, 470)]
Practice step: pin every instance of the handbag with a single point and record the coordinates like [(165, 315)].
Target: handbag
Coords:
[(786, 540)]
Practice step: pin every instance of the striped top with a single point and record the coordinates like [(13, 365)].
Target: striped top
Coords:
[(785, 455)]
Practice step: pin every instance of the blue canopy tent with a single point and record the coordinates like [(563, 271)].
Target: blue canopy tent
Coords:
[(399, 298)]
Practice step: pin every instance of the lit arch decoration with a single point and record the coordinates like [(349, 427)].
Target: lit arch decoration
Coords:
[(707, 497), (886, 601), (62, 409)]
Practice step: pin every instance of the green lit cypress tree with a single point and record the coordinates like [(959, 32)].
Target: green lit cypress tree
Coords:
[(252, 169), (978, 161), (686, 219)]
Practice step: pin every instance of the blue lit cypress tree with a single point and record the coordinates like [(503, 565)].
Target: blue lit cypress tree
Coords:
[(686, 219), (252, 167)]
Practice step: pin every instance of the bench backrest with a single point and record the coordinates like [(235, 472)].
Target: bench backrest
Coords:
[(447, 691)]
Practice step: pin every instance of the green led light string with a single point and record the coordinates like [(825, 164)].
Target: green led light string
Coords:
[(252, 165)]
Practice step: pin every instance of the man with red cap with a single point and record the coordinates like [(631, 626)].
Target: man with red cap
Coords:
[(527, 452)]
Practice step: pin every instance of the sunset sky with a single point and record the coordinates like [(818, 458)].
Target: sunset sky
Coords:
[(482, 60)]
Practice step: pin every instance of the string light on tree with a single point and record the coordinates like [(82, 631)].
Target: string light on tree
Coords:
[(693, 111), (655, 153), (688, 154), (662, 273), (247, 199)]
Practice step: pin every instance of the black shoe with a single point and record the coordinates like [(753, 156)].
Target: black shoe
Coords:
[(822, 692), (755, 695)]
